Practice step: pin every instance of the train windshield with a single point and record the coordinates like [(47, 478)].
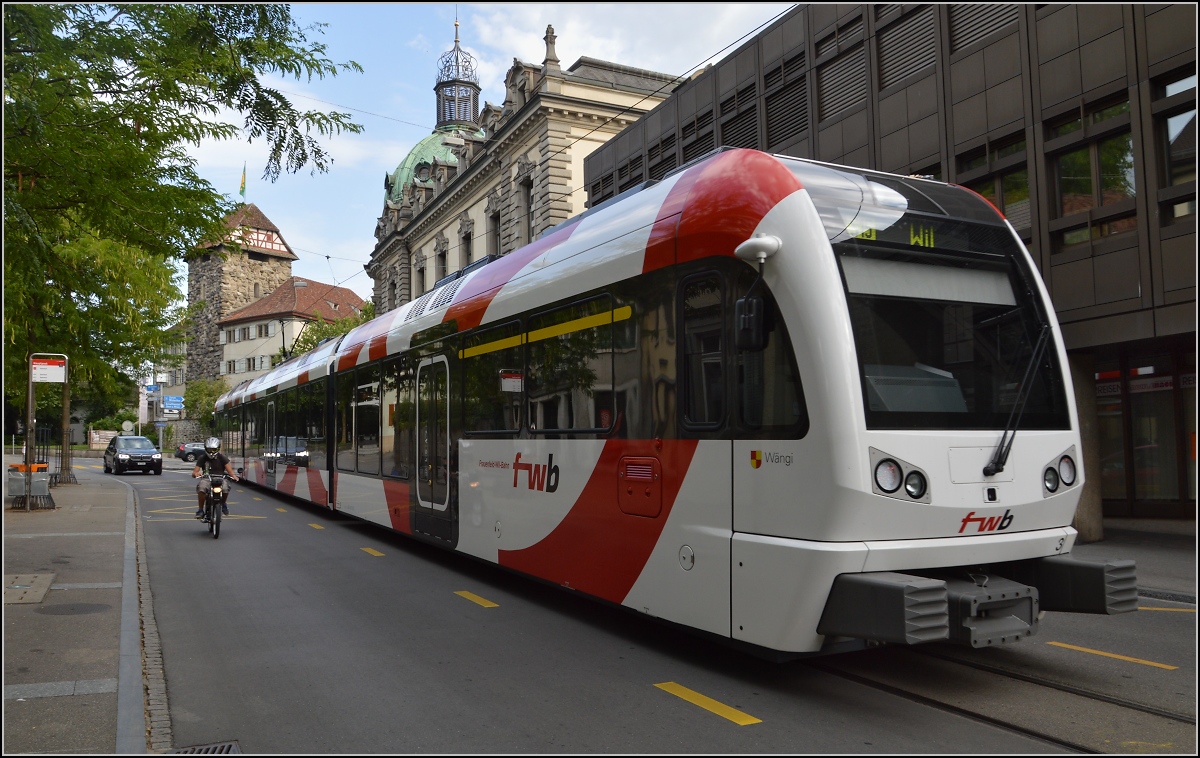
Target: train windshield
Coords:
[(942, 303), (945, 327)]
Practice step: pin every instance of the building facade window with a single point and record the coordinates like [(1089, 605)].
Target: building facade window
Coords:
[(1175, 117), (1009, 192), (1092, 166)]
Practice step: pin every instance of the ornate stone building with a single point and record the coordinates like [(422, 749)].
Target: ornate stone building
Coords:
[(223, 280), (489, 180)]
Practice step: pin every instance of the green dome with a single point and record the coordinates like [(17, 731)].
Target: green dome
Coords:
[(419, 161)]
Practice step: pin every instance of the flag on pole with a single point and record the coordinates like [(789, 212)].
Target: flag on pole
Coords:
[(243, 189)]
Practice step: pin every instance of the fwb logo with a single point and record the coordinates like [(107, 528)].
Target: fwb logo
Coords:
[(987, 523), (542, 476)]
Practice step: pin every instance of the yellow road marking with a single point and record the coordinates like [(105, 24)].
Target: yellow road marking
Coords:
[(1169, 610), (316, 526), (477, 599), (371, 551), (281, 510), (258, 498), (1113, 655), (708, 704)]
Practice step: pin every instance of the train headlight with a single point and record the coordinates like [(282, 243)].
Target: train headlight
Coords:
[(1066, 470), (914, 484), (1050, 479), (888, 475)]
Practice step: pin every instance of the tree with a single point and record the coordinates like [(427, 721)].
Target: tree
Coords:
[(100, 194), (315, 331), (200, 396)]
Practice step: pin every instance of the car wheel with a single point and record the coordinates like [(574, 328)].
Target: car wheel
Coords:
[(158, 472), (189, 458)]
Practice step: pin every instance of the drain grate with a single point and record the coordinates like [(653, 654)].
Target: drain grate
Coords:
[(217, 748)]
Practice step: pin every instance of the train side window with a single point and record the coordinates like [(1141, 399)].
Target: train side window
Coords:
[(570, 368), (399, 414), (285, 426), (343, 430), (253, 413), (313, 420), (493, 371), (366, 418), (702, 370), (769, 394)]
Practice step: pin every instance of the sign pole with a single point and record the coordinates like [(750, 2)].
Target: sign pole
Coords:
[(30, 436), (67, 474)]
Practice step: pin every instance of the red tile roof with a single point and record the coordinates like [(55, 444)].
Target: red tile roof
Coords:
[(308, 301)]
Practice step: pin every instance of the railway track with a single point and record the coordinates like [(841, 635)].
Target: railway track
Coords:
[(1069, 717)]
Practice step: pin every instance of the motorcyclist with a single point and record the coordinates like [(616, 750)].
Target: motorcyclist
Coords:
[(212, 460)]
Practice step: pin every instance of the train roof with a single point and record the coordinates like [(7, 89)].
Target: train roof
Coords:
[(714, 203)]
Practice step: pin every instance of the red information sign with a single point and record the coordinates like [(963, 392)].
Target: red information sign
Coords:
[(49, 369)]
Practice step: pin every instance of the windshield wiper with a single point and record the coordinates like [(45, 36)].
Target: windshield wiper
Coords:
[(1000, 457)]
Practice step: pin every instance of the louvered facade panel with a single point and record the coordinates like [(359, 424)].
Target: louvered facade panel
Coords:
[(741, 130), (907, 47), (702, 145), (787, 112), (842, 83), (971, 23)]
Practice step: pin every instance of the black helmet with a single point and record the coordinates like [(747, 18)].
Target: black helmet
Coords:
[(212, 446)]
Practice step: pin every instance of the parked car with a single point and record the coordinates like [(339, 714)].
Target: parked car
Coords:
[(132, 454), (189, 451)]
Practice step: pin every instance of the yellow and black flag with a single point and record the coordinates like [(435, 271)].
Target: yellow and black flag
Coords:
[(243, 188)]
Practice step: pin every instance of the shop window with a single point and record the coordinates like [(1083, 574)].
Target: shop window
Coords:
[(1096, 115), (1111, 431)]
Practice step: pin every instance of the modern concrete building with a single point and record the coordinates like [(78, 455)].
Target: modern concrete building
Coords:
[(489, 180), (1076, 121)]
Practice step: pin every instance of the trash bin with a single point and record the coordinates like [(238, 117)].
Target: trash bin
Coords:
[(39, 486)]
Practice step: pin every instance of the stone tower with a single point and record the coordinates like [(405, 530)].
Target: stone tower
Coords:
[(222, 280)]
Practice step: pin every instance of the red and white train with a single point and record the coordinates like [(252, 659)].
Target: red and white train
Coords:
[(795, 405)]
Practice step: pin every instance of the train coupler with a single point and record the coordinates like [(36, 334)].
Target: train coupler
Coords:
[(988, 610)]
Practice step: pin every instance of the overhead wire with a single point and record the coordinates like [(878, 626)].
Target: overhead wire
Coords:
[(550, 196)]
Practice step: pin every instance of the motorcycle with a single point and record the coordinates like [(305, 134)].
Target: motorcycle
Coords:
[(217, 493)]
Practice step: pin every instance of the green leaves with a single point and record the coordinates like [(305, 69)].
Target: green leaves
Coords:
[(100, 193)]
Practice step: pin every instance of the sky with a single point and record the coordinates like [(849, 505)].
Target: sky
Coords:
[(328, 219)]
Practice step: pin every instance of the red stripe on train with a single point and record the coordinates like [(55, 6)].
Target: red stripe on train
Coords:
[(396, 493), (715, 220), (471, 302), (567, 556), (287, 485), (316, 487)]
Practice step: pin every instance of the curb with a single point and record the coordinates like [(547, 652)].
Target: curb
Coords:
[(159, 737)]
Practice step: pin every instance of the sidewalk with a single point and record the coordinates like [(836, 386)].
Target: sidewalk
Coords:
[(82, 663), (77, 657)]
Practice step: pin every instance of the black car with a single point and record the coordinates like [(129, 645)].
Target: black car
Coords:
[(189, 451), (132, 454)]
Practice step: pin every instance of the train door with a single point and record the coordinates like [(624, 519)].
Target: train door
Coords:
[(433, 434), (271, 453)]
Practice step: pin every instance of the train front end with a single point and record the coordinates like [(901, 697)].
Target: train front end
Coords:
[(932, 496)]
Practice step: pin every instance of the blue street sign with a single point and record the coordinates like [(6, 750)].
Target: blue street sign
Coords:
[(160, 424), (176, 406), (152, 388), (172, 398)]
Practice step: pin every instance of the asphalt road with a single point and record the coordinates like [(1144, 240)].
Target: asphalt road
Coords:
[(302, 631)]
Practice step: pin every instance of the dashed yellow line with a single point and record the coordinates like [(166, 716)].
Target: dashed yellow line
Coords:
[(1113, 655), (477, 599), (316, 526), (708, 704), (282, 510), (1169, 610), (370, 551)]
